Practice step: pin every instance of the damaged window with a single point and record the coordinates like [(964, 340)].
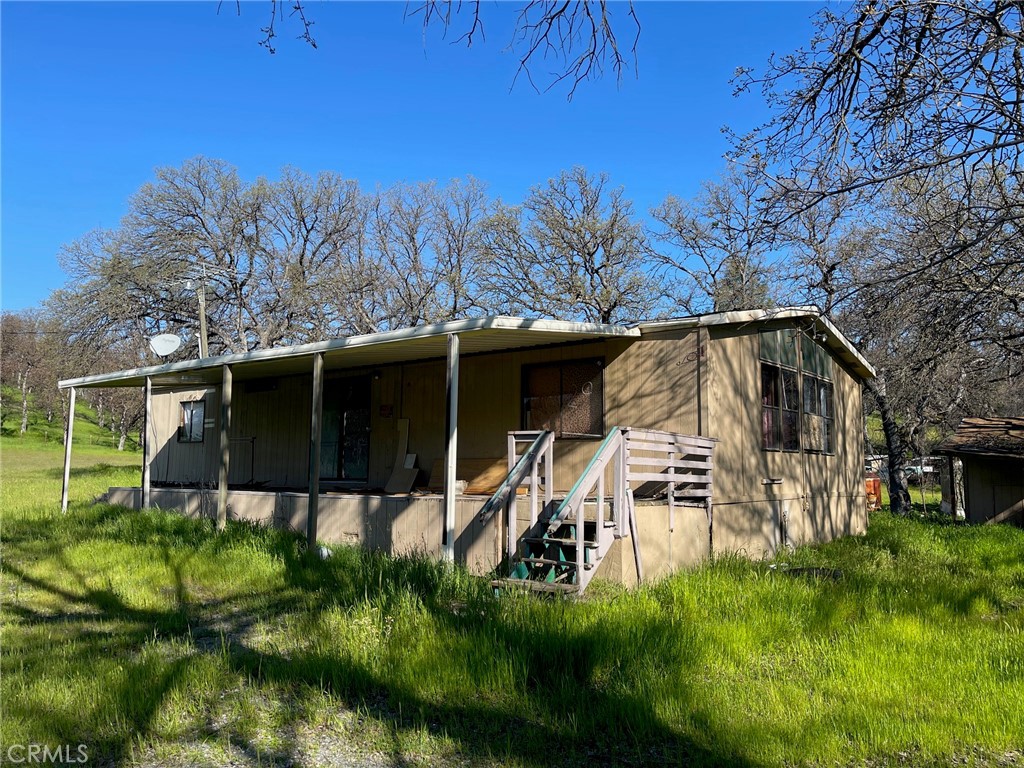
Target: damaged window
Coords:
[(797, 409), (819, 416), (567, 398)]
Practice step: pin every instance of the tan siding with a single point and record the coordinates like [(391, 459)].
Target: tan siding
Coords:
[(649, 383), (423, 404), (821, 496), (279, 420), (183, 462)]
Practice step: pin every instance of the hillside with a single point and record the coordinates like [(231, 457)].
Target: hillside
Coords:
[(49, 432)]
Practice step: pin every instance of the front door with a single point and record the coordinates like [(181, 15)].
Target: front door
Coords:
[(345, 438)]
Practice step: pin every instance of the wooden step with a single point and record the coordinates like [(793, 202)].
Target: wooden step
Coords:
[(557, 542), (547, 561), (535, 586), (588, 525)]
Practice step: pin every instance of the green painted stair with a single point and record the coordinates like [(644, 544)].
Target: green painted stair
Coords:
[(546, 560)]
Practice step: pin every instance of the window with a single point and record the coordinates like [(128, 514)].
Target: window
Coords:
[(780, 408), (567, 398), (190, 421), (819, 417), (794, 364)]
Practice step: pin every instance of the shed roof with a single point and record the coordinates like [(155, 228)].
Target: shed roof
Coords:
[(426, 342), (1000, 437)]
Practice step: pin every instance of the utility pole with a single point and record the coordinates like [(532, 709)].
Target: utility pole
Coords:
[(200, 286), (203, 347)]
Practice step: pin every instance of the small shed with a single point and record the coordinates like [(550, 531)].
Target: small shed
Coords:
[(986, 470)]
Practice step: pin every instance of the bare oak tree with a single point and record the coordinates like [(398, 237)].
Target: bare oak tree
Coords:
[(578, 38), (923, 97), (572, 249), (943, 333), (22, 357), (919, 105), (716, 250), (895, 88)]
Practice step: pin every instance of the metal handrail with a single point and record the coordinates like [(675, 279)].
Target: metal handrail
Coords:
[(611, 443), (515, 477)]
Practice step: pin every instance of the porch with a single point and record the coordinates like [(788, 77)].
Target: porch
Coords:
[(658, 503), (286, 436)]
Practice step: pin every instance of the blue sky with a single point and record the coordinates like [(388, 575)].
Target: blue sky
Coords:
[(94, 96)]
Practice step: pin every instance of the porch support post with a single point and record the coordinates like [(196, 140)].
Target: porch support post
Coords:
[(316, 427), (225, 446), (67, 454), (451, 448), (148, 445)]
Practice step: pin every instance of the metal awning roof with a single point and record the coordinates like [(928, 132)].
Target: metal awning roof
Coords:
[(841, 346), (484, 334), (426, 342)]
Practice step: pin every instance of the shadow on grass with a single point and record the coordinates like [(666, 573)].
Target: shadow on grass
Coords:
[(93, 470), (563, 713), (578, 695), (930, 568)]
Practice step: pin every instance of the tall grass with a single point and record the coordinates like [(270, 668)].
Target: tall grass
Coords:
[(154, 640)]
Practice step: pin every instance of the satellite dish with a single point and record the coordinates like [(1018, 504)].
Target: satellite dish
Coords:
[(165, 344)]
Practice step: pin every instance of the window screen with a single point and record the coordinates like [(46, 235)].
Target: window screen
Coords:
[(190, 421), (567, 398)]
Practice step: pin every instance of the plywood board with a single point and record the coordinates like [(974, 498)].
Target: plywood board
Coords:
[(481, 475)]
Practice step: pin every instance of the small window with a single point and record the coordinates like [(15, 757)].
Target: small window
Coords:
[(780, 347), (815, 359), (190, 421), (567, 398)]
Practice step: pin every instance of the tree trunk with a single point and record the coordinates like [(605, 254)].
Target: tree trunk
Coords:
[(24, 404), (124, 429), (896, 448)]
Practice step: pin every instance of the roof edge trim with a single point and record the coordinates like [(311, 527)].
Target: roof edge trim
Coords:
[(492, 322)]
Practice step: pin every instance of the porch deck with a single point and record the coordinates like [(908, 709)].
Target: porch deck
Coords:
[(393, 523), (401, 524)]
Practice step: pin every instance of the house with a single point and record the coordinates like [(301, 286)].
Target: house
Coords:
[(984, 479), (560, 448)]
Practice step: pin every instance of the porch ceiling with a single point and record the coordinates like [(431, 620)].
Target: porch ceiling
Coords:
[(486, 334)]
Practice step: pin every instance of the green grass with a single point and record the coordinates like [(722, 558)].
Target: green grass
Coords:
[(155, 641), (51, 432), (924, 500)]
